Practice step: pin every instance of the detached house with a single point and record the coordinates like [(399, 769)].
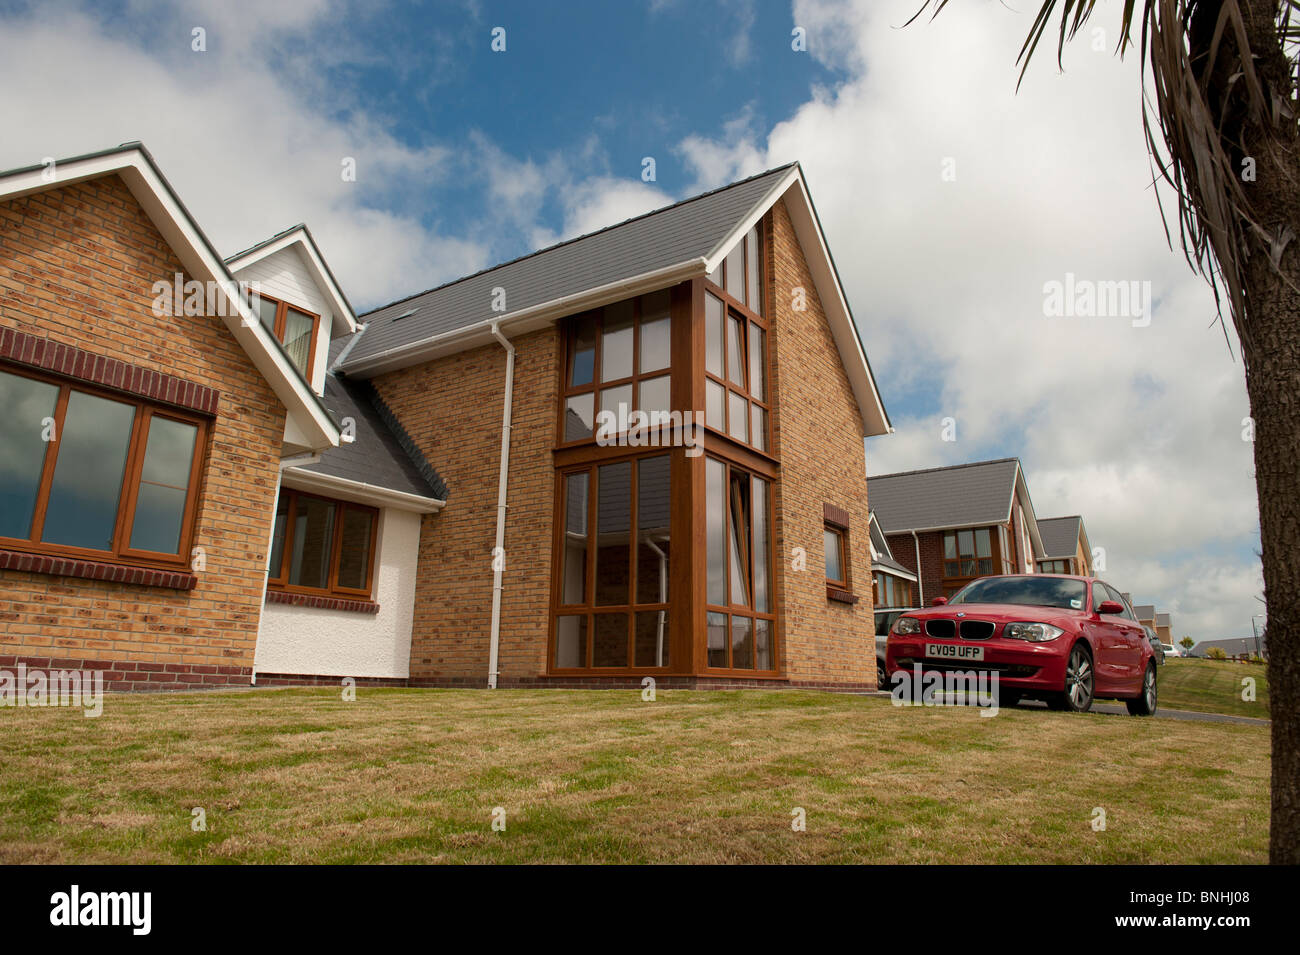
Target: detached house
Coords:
[(1066, 549), (638, 452), (951, 525)]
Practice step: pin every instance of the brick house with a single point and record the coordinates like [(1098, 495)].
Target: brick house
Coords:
[(951, 525), (638, 452), (1066, 549)]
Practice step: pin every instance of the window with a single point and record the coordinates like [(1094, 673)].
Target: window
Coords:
[(740, 624), (1054, 567), (294, 328), (967, 553), (735, 368), (891, 591), (83, 474), (320, 545), (740, 274), (615, 554), (836, 568), (619, 360)]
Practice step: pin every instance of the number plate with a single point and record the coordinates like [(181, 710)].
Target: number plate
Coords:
[(954, 651)]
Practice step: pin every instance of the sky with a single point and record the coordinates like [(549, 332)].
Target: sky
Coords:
[(950, 203)]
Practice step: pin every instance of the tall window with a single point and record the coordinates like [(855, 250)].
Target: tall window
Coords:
[(837, 569), (740, 624), (618, 360), (322, 546), (611, 601), (294, 328), (736, 401), (967, 553), (740, 273), (91, 474)]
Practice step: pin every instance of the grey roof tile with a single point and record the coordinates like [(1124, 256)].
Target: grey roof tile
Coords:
[(1060, 536), (978, 493), (1145, 611)]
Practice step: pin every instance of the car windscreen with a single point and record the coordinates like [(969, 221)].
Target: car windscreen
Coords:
[(1059, 592)]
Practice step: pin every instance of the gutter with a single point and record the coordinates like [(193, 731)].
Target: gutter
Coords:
[(498, 550), (920, 584)]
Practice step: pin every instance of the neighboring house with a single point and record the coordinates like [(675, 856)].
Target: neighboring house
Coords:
[(433, 491), (1232, 646), (951, 525), (893, 585), (1146, 614), (1065, 546), (1165, 628)]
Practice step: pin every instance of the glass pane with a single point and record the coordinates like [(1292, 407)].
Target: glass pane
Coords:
[(584, 351), (570, 642), (738, 421), (763, 645), (618, 402), (656, 331), (574, 570), (714, 396), (741, 536), (834, 561), (735, 351), (716, 276), (88, 472), (762, 584), (651, 639), (653, 516), (656, 396), (297, 339), (276, 560), (26, 404), (713, 315), (613, 537), (757, 367), (616, 342), (579, 416), (758, 432), (716, 520), (354, 548), (609, 647), (983, 543), (164, 486), (266, 312), (313, 543), (950, 546), (742, 643), (753, 299), (716, 628), (736, 271), (966, 543)]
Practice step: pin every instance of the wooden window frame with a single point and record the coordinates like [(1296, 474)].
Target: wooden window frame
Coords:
[(842, 535), (748, 315), (1066, 566), (898, 582), (280, 582), (144, 412), (282, 308), (994, 558)]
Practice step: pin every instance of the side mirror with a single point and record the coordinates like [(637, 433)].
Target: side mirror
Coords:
[(1110, 607), (938, 601)]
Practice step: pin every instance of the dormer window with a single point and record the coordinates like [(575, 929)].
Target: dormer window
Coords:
[(294, 328)]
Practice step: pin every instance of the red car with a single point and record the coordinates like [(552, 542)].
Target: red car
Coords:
[(1062, 639)]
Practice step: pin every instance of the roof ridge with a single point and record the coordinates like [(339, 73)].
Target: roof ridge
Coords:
[(946, 467), (585, 235), (267, 241)]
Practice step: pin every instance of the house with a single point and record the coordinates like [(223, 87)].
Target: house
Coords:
[(1232, 646), (1146, 614), (1165, 629), (1065, 546), (893, 585), (951, 525), (636, 453)]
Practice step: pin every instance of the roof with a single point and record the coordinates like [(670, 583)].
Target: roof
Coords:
[(1232, 645), (299, 235), (1163, 620), (891, 566), (642, 254), (137, 169), (1060, 536), (960, 496), (1144, 611)]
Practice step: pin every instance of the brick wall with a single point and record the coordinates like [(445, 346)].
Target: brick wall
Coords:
[(903, 547), (77, 266)]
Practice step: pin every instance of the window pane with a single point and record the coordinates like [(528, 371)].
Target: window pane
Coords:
[(276, 560), (266, 312), (656, 331), (297, 339), (656, 395), (738, 422), (736, 271), (579, 416), (757, 367), (834, 561), (616, 342), (983, 543), (570, 641), (613, 537), (716, 628), (741, 535), (742, 643), (609, 647), (88, 472), (313, 542), (574, 570), (758, 433), (735, 351), (653, 514), (714, 397), (716, 276), (966, 543), (753, 299), (26, 403), (164, 486), (618, 402), (713, 315), (584, 351), (716, 510), (651, 638), (762, 585), (763, 645), (354, 548), (950, 546)]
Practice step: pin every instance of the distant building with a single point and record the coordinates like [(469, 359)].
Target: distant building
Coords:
[(1232, 646)]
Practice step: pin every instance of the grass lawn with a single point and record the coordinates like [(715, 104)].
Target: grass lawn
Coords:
[(1212, 686), (600, 776)]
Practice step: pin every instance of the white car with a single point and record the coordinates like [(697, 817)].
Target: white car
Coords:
[(1171, 651)]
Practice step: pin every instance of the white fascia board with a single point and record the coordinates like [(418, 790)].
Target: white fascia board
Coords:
[(359, 491), (523, 321), (196, 255), (895, 572), (345, 322), (946, 527), (723, 248), (1021, 490)]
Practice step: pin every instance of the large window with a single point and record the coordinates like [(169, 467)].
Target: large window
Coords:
[(615, 552), (91, 474), (294, 328), (322, 546), (618, 360), (740, 624), (968, 553), (740, 275), (735, 370)]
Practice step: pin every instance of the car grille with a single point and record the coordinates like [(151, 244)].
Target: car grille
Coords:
[(942, 629), (976, 629)]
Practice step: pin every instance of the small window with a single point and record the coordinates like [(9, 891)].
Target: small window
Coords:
[(320, 545), (836, 566), (294, 328)]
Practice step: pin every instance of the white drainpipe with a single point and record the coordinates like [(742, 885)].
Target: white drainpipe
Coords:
[(920, 586), (494, 646)]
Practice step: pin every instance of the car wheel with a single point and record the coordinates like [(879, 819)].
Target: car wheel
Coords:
[(1076, 697), (882, 677), (1145, 705)]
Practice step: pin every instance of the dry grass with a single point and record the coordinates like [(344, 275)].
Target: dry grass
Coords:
[(600, 776)]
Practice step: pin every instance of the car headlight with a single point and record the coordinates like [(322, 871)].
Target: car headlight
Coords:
[(1032, 632), (905, 626)]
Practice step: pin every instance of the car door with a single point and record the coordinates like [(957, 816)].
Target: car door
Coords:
[(1134, 637), (1107, 643)]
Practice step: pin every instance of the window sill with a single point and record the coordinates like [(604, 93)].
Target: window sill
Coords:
[(321, 602), (97, 570), (840, 596)]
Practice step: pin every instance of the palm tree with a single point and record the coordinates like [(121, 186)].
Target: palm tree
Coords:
[(1220, 117)]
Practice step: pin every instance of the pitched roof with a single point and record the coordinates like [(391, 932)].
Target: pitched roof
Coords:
[(889, 565), (1233, 645), (1145, 611), (299, 235), (1060, 536), (958, 496), (1163, 620)]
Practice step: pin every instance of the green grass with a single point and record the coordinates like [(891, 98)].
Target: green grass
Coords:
[(600, 776), (1211, 686)]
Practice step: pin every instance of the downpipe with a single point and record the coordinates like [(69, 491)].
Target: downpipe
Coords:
[(498, 550)]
